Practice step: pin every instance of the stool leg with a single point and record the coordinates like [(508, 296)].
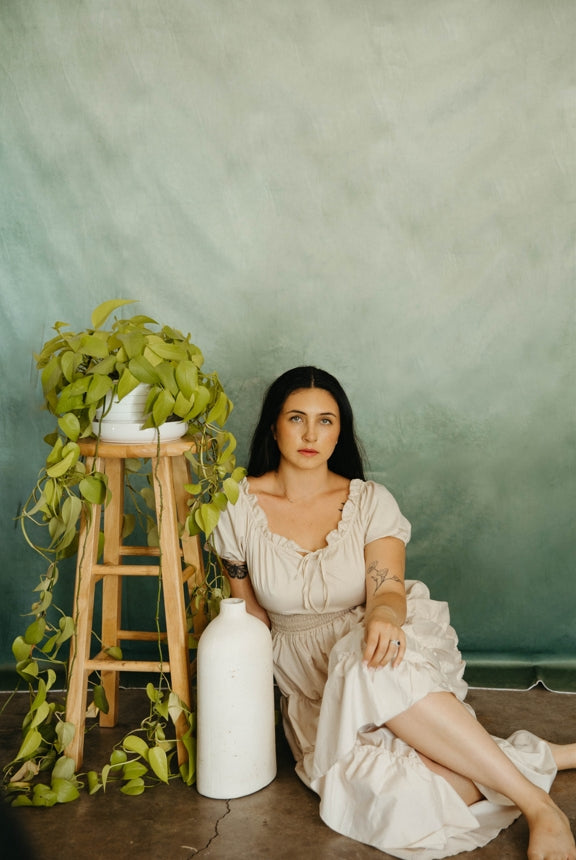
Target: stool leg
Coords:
[(112, 585), (80, 643), (191, 546), (171, 573)]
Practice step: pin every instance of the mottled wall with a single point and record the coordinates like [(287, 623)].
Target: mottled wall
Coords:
[(382, 187)]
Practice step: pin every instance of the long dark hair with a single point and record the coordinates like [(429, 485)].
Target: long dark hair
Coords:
[(346, 459)]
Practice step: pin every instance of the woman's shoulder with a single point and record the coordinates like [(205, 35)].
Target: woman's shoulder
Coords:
[(265, 483)]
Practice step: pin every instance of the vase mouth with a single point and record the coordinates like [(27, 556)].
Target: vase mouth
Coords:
[(232, 603)]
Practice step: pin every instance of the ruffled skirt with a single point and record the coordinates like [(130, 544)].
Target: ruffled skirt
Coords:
[(372, 786)]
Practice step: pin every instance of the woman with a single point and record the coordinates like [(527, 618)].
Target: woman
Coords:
[(368, 665)]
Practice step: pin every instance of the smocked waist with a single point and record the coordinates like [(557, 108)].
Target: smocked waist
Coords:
[(298, 622)]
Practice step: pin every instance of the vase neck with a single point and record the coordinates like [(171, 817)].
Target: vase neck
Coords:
[(232, 606)]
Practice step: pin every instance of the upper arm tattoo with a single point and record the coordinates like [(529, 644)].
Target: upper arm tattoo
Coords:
[(380, 575), (235, 569)]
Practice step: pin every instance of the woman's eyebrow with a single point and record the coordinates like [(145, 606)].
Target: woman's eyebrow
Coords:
[(300, 412)]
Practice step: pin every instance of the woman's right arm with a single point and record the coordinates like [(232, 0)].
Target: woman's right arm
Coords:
[(240, 586)]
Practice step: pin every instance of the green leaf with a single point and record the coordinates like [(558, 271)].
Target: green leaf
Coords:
[(133, 770), (159, 763), (65, 733), (21, 649), (141, 368), (99, 387), (32, 741), (22, 800), (134, 787), (127, 383), (220, 411), (70, 425), (35, 631), (188, 768), (64, 768), (207, 517), (70, 456), (118, 757), (113, 651), (94, 489), (103, 311), (43, 796), (93, 345), (134, 343), (134, 743), (27, 669), (153, 694), (94, 784), (100, 699), (201, 401), (231, 489), (167, 351), (186, 374), (67, 627), (163, 407), (64, 790), (42, 711)]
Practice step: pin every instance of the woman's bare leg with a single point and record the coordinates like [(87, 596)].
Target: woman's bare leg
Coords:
[(461, 784), (564, 755), (442, 729)]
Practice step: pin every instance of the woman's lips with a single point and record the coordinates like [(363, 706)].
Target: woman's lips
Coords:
[(308, 452)]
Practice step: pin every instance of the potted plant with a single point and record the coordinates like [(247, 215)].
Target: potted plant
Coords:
[(82, 374)]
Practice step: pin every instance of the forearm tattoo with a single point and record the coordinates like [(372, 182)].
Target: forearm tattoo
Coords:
[(235, 569), (380, 575)]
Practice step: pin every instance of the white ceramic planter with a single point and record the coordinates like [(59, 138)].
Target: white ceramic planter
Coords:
[(236, 744), (122, 422)]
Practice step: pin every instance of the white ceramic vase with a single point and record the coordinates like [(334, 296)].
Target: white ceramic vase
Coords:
[(236, 744), (122, 420)]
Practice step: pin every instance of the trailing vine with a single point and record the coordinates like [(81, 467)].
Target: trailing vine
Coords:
[(79, 371)]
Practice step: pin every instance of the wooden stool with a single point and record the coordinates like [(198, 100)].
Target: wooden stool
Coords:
[(169, 475)]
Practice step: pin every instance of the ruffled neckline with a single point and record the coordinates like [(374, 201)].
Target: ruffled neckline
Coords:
[(348, 512)]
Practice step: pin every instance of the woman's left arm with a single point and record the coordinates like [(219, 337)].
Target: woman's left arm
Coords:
[(385, 602)]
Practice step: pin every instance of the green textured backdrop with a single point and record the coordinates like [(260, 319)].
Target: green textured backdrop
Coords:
[(385, 188)]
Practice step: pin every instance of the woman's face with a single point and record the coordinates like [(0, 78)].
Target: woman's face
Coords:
[(308, 427)]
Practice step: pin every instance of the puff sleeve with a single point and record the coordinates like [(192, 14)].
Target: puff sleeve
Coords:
[(382, 516)]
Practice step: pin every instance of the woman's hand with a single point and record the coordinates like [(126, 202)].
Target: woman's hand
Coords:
[(385, 639)]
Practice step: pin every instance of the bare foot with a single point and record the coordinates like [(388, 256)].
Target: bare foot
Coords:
[(550, 834), (564, 755)]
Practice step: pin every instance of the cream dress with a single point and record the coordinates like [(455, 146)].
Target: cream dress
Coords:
[(372, 786)]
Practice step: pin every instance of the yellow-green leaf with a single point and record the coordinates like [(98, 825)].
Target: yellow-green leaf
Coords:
[(159, 763), (94, 783), (103, 311), (94, 488), (133, 743), (133, 770), (70, 425), (134, 787), (30, 744), (64, 790), (21, 649), (35, 631), (100, 699)]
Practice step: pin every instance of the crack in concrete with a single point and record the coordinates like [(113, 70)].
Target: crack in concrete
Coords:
[(197, 851)]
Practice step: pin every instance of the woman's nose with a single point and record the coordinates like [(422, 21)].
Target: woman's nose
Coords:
[(310, 431)]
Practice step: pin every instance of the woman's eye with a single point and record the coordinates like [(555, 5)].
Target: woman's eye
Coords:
[(326, 421), (295, 418)]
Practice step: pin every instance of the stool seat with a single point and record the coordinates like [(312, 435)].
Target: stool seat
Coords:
[(177, 560)]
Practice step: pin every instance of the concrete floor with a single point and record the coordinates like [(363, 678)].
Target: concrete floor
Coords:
[(279, 822)]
